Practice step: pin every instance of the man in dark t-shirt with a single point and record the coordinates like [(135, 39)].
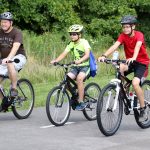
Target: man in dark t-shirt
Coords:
[(11, 48)]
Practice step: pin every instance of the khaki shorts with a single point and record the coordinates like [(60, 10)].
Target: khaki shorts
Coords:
[(18, 66)]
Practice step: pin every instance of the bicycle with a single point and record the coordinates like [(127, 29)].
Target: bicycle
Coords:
[(112, 98), (64, 96), (21, 105)]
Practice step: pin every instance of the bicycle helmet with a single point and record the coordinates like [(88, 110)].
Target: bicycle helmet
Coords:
[(128, 20), (6, 16), (76, 28)]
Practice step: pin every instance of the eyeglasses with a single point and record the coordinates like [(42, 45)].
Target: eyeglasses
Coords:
[(126, 27), (73, 34)]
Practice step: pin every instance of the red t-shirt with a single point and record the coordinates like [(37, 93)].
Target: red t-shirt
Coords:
[(129, 45)]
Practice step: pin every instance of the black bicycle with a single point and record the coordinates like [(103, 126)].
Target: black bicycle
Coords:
[(113, 96), (64, 96), (22, 105)]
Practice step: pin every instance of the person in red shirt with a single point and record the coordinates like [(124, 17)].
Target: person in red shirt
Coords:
[(137, 59)]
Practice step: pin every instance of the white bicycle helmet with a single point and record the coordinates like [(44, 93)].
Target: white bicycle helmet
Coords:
[(76, 28), (6, 16)]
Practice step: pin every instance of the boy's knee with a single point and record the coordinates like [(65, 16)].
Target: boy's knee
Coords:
[(80, 79), (136, 82)]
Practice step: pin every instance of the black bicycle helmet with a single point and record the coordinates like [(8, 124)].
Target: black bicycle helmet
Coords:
[(129, 19), (6, 16)]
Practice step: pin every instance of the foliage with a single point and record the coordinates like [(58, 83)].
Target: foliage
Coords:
[(100, 17), (41, 16)]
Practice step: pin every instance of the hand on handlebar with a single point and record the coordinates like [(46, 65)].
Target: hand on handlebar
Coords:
[(101, 59), (53, 61), (77, 62), (130, 60), (5, 60)]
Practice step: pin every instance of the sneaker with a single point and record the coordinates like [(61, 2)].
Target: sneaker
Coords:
[(143, 115), (81, 106), (13, 92), (5, 104)]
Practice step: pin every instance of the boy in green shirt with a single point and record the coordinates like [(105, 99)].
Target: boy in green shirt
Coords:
[(80, 49)]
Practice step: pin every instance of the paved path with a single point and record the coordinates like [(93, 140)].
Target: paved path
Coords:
[(36, 133)]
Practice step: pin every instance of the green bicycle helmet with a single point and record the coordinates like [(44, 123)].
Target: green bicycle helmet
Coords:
[(129, 19), (6, 16), (76, 28)]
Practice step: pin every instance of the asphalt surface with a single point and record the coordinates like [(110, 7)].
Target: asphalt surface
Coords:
[(37, 133)]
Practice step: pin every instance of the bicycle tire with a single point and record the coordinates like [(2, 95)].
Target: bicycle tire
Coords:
[(106, 120), (55, 104), (146, 88), (92, 91), (23, 104)]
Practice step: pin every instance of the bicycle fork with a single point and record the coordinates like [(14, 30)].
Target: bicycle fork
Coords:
[(60, 97), (115, 82)]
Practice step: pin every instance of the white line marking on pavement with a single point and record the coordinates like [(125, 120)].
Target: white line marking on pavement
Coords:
[(44, 127)]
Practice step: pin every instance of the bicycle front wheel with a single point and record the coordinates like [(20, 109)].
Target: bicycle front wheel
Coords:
[(109, 110), (24, 102), (146, 89), (58, 106), (92, 91)]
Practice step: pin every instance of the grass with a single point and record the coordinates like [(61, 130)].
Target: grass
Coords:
[(43, 48), (45, 78)]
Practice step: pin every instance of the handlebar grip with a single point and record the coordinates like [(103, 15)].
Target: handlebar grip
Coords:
[(16, 60), (56, 63)]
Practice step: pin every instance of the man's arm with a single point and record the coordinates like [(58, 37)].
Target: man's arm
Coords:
[(14, 50), (12, 53)]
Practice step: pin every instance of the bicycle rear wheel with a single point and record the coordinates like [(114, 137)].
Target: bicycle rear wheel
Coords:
[(109, 110), (58, 106), (24, 102), (146, 90), (92, 91)]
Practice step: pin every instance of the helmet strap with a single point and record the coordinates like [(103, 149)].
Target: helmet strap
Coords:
[(131, 30), (78, 37)]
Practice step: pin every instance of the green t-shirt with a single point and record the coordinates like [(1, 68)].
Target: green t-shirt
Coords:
[(78, 50)]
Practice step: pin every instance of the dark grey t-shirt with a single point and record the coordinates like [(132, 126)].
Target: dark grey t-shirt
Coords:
[(7, 40)]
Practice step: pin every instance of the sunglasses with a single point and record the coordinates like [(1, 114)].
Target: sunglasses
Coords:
[(73, 34)]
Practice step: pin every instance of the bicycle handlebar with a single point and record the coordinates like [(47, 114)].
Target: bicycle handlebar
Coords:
[(64, 65), (115, 61), (11, 61)]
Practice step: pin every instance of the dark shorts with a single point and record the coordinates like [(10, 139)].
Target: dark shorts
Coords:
[(138, 69), (76, 70)]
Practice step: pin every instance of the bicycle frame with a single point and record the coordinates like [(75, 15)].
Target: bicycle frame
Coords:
[(1, 88), (4, 94), (69, 85), (66, 83), (120, 89)]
